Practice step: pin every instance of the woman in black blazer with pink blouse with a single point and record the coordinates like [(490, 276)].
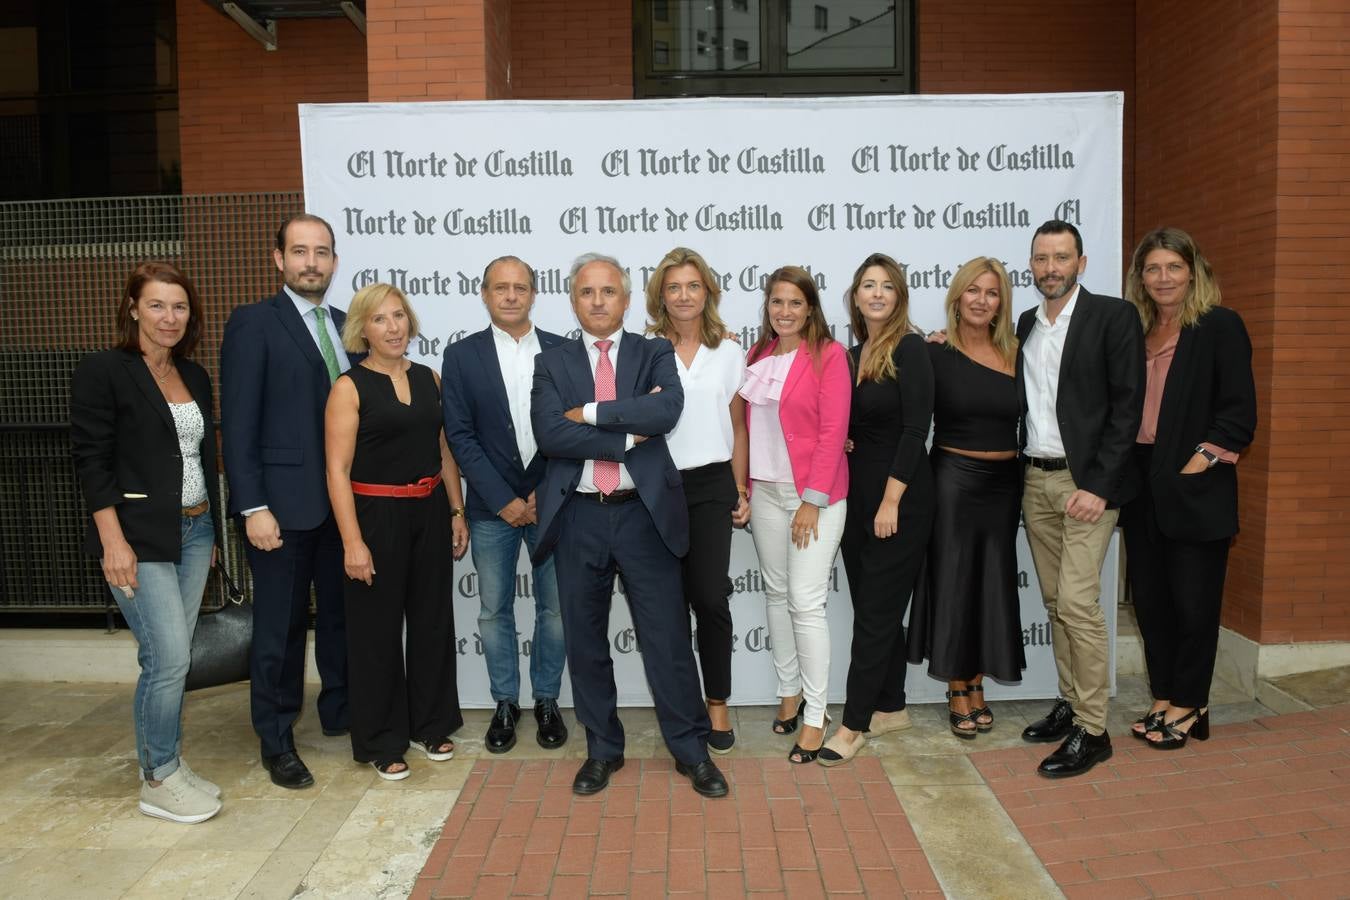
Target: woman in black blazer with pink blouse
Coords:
[(1199, 414)]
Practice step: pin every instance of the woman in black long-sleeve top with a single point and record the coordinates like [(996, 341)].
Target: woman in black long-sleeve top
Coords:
[(890, 510), (1199, 414), (966, 620)]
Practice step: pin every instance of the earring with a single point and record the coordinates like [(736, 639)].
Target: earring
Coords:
[(958, 315), (993, 321)]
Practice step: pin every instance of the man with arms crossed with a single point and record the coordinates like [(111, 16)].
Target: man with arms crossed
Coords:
[(1080, 367), (278, 360), (485, 392), (612, 500)]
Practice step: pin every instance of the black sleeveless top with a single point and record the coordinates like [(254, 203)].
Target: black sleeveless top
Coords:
[(974, 406), (396, 444)]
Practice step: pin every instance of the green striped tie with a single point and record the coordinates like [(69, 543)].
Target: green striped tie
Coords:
[(326, 345)]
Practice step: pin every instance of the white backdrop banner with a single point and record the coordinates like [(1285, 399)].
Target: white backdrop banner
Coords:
[(424, 195)]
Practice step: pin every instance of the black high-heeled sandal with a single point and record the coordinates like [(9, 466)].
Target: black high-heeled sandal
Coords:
[(787, 726), (979, 712), (955, 718), (1151, 721), (1173, 738), (800, 756)]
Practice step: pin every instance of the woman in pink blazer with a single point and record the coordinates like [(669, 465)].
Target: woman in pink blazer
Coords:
[(798, 390)]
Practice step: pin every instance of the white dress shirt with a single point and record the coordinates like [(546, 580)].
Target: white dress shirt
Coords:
[(587, 483), (516, 358), (306, 311), (704, 434), (1041, 358)]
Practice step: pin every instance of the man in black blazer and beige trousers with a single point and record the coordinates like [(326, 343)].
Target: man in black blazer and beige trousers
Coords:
[(1080, 372)]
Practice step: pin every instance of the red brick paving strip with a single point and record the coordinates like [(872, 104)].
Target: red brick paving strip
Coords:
[(517, 830), (1261, 809)]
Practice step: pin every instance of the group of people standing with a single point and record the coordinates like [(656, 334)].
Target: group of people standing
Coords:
[(364, 475)]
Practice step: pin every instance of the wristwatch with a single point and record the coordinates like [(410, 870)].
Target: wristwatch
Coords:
[(1210, 458)]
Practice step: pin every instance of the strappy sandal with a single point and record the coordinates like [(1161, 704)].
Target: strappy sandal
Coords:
[(982, 724), (1151, 721), (955, 718), (383, 769), (800, 756), (787, 726), (432, 749), (1173, 738)]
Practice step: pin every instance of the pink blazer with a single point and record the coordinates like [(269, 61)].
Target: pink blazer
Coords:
[(813, 411)]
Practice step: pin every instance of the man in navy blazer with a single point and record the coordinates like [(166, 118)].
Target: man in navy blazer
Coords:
[(612, 501), (278, 360), (485, 398)]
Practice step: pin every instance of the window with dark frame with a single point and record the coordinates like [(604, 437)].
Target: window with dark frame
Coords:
[(822, 19)]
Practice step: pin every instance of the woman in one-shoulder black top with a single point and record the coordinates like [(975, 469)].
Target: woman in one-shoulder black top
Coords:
[(397, 499), (966, 619)]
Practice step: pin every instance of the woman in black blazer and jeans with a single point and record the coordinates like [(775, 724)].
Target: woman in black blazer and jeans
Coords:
[(1199, 414), (144, 445)]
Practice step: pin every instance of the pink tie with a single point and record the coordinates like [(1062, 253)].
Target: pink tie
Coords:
[(606, 472)]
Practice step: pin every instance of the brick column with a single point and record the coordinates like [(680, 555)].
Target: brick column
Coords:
[(438, 49)]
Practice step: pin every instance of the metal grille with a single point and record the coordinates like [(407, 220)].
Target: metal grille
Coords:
[(62, 266)]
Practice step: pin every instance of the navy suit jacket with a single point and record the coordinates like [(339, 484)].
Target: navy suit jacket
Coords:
[(273, 390), (478, 425), (563, 380)]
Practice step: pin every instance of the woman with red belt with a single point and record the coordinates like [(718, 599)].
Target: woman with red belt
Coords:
[(397, 499)]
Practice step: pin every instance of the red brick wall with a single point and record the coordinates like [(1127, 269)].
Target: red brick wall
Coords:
[(1030, 46), (581, 49), (238, 123), (428, 49)]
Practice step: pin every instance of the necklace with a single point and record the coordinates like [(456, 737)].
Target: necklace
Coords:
[(155, 372)]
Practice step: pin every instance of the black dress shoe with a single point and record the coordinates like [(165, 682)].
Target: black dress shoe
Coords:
[(336, 732), (1079, 752), (593, 776), (288, 770), (706, 778), (552, 729), (501, 733), (1054, 727)]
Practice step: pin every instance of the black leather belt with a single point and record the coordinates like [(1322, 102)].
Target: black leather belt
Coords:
[(611, 498), (1047, 465)]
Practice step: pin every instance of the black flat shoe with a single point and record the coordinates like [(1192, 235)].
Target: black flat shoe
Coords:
[(501, 733), (1079, 753), (1173, 738), (721, 742), (593, 776), (955, 719), (288, 771), (552, 732), (1151, 721), (1054, 727), (706, 778), (787, 726)]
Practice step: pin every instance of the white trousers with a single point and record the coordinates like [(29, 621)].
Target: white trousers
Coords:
[(796, 584)]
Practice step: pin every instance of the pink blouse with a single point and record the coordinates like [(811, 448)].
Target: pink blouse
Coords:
[(1157, 364)]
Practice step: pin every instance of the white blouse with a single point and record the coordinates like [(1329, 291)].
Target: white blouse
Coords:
[(704, 434), (187, 421)]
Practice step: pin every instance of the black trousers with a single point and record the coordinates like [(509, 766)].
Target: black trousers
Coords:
[(597, 541), (281, 583), (710, 492), (1177, 589), (881, 578), (397, 697)]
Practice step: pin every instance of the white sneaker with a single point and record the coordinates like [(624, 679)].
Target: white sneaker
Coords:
[(197, 781), (177, 800)]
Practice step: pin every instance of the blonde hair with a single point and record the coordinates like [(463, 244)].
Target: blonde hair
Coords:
[(712, 330), (1202, 294), (1001, 331), (879, 363), (363, 306)]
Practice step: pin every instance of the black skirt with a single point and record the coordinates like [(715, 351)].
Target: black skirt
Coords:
[(966, 617)]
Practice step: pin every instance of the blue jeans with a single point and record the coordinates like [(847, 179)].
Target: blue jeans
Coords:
[(496, 548), (163, 615)]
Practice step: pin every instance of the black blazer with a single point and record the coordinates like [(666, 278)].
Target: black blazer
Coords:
[(124, 442), (1209, 397), (478, 424), (1101, 393), (273, 390)]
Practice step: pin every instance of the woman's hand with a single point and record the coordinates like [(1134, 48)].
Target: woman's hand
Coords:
[(804, 525), (460, 530), (1195, 465), (357, 562), (848, 445), (119, 565), (741, 514), (888, 514)]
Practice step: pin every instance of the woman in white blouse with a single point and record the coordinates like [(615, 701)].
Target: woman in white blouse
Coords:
[(709, 446)]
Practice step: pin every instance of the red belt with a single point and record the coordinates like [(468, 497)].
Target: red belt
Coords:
[(421, 488)]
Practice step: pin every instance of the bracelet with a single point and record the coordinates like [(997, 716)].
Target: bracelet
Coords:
[(740, 489), (456, 511)]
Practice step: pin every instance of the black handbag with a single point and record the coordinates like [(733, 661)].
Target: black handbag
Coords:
[(220, 645)]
